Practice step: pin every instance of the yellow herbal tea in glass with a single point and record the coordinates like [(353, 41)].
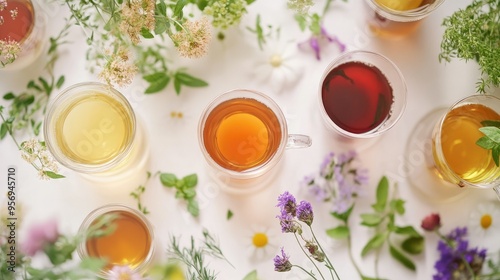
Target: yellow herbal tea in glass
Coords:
[(241, 133), (130, 243), (91, 128), (94, 128), (459, 133)]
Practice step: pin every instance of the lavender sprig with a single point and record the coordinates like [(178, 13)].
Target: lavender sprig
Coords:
[(292, 216)]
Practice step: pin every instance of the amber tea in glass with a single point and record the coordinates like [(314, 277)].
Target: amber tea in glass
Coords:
[(130, 243), (241, 133)]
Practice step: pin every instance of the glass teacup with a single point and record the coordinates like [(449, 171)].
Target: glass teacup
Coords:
[(243, 135)]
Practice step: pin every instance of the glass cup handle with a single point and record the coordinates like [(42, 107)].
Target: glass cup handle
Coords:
[(296, 141), (497, 191)]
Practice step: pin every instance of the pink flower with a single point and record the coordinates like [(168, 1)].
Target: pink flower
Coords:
[(40, 235), (431, 222), (120, 272)]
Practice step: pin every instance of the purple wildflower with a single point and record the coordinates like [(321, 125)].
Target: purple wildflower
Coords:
[(287, 222), (325, 167), (287, 203), (453, 251), (314, 43), (282, 263), (305, 212)]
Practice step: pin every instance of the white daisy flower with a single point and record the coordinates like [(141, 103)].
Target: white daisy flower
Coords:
[(261, 244), (484, 222), (279, 65)]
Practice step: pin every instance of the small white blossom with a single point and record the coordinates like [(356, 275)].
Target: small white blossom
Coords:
[(279, 66)]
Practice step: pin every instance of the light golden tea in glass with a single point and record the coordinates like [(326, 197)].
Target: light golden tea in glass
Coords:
[(94, 128), (241, 133), (459, 134)]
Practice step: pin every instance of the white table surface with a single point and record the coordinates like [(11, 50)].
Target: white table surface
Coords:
[(174, 144)]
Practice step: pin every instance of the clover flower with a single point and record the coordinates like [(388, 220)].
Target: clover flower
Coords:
[(282, 263), (225, 13), (9, 51), (123, 272), (431, 222), (456, 260), (338, 180), (35, 153), (118, 70), (40, 235), (318, 41), (135, 16), (300, 6), (193, 40)]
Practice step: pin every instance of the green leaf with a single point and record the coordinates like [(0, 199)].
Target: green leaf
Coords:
[(146, 33), (398, 205), (53, 175), (229, 214), (491, 123), (189, 80), (401, 258), (492, 132), (407, 230), (495, 153), (168, 179), (340, 232), (371, 220), (92, 264), (343, 216), (382, 195), (202, 4), (60, 82), (158, 84), (193, 207), (46, 86), (161, 25), (251, 276), (374, 243), (189, 193), (27, 100), (9, 96), (485, 143), (152, 78), (32, 85), (177, 86), (191, 180), (413, 245), (178, 8), (3, 130)]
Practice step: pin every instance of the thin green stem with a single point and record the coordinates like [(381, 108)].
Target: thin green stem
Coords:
[(351, 257), (309, 273), (310, 259), (326, 256), (327, 6)]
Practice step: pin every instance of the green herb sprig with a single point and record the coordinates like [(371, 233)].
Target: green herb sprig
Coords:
[(382, 219), (473, 34), (194, 257), (185, 189), (491, 139), (138, 192)]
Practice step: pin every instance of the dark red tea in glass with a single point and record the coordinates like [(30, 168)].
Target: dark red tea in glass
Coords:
[(362, 94)]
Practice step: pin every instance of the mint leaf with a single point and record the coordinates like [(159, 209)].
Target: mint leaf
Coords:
[(343, 216), (190, 181), (168, 179), (491, 132), (340, 232), (485, 143), (401, 258), (374, 243), (193, 208), (251, 276), (382, 195), (371, 220), (229, 214), (413, 245), (53, 175)]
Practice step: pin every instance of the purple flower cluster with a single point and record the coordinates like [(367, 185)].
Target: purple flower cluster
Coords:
[(338, 180), (289, 210), (317, 40), (456, 260), (282, 263)]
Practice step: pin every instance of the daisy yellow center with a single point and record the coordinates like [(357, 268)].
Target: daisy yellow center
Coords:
[(124, 276), (486, 221), (276, 60), (259, 239)]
